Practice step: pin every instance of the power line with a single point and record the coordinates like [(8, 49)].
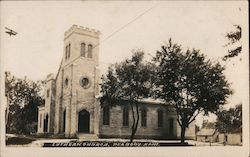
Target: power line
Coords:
[(124, 26), (121, 28)]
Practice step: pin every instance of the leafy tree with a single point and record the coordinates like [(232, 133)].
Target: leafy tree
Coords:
[(233, 38), (189, 82), (230, 120), (207, 124), (197, 128), (126, 83), (23, 97)]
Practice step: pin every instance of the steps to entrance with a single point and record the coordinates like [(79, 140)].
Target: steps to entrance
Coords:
[(87, 136)]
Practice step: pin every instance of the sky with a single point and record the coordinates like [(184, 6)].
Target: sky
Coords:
[(37, 49)]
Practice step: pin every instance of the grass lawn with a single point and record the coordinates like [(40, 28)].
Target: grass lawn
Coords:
[(48, 138), (19, 140)]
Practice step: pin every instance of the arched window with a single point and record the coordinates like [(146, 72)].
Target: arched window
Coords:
[(69, 51), (160, 118), (48, 93), (40, 120), (46, 123), (90, 47), (171, 126), (83, 51), (106, 114), (144, 117), (66, 82), (67, 54), (125, 116)]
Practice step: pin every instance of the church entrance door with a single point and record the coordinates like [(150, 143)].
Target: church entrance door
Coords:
[(83, 121)]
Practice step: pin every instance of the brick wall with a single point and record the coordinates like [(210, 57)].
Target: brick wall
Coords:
[(116, 128)]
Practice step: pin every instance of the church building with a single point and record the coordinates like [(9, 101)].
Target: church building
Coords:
[(72, 99)]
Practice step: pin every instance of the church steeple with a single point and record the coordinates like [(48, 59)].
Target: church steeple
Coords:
[(79, 80), (81, 42), (71, 95)]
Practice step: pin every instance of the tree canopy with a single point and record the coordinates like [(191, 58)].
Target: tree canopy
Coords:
[(230, 120), (233, 38), (23, 98), (128, 81), (189, 82), (207, 124)]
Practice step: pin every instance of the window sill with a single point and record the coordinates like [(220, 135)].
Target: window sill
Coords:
[(159, 128), (90, 59), (106, 125), (125, 126)]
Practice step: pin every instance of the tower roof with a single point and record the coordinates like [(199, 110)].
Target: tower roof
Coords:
[(81, 29)]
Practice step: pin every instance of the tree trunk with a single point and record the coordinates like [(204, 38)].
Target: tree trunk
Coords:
[(132, 135), (183, 130), (7, 111), (135, 121), (132, 128)]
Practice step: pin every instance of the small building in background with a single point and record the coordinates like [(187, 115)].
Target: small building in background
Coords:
[(207, 135), (231, 138)]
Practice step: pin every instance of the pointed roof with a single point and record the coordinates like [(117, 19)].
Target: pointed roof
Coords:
[(206, 132)]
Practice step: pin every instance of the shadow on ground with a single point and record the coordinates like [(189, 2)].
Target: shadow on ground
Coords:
[(19, 140)]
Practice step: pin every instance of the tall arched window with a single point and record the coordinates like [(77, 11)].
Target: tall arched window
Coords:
[(40, 120), (66, 82), (90, 47), (160, 118), (83, 51), (106, 114), (66, 52), (46, 123), (171, 126), (69, 51), (144, 117), (125, 116), (48, 93)]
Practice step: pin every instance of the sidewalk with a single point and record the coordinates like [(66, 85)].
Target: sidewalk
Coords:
[(38, 142)]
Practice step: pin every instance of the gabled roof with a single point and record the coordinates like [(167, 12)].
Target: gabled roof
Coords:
[(59, 69), (152, 101), (206, 132), (143, 100)]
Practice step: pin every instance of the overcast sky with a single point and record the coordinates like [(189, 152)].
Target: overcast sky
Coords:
[(37, 48)]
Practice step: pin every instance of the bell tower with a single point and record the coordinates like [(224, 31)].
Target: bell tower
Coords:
[(81, 41), (80, 80)]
